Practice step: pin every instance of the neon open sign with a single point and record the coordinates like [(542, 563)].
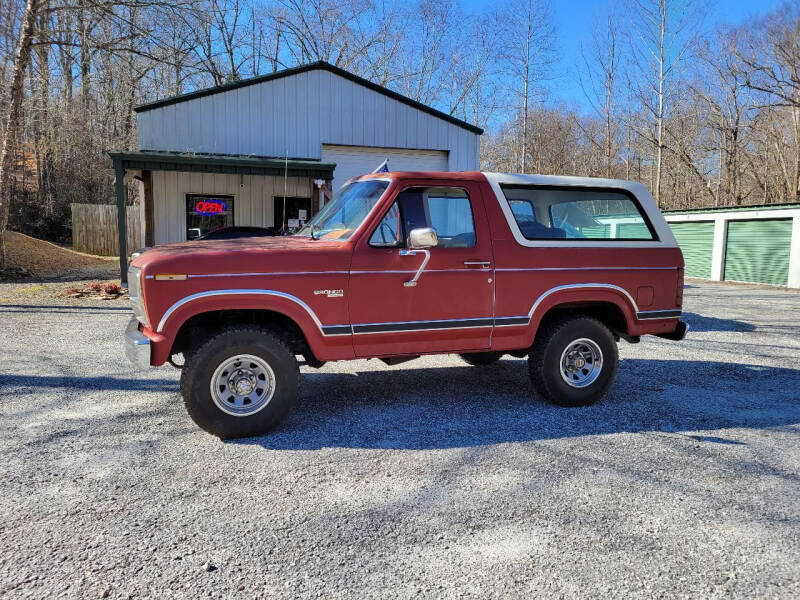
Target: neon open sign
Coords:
[(210, 207)]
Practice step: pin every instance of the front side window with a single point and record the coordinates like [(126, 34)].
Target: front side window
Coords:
[(447, 210), (348, 208), (574, 213)]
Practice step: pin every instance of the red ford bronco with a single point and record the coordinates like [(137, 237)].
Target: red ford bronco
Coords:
[(397, 265)]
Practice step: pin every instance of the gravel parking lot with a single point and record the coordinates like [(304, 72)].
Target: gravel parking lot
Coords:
[(428, 479)]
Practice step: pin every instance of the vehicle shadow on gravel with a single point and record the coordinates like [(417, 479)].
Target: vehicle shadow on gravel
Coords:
[(702, 323), (461, 407), (35, 382)]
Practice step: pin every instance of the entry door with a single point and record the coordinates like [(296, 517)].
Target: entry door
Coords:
[(298, 211), (449, 306)]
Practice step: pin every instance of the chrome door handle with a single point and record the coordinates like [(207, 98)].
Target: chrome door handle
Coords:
[(484, 264), (413, 281)]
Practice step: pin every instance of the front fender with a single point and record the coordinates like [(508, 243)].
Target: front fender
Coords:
[(328, 342)]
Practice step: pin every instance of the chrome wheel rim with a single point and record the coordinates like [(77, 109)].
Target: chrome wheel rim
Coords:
[(242, 385), (581, 363)]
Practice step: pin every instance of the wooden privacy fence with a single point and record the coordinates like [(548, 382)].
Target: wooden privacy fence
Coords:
[(95, 229)]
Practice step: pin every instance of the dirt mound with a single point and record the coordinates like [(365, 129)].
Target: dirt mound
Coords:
[(29, 257)]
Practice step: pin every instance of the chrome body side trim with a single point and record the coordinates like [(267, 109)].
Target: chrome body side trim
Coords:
[(523, 269), (411, 326), (407, 326), (570, 286), (273, 274), (658, 314), (242, 292)]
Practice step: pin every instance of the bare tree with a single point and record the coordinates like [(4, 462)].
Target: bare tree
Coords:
[(663, 34), (528, 54), (13, 120), (601, 63), (772, 56)]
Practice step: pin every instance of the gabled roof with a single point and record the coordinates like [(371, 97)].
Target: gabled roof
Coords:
[(317, 66)]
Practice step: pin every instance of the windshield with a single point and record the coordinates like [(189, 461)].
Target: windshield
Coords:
[(340, 217)]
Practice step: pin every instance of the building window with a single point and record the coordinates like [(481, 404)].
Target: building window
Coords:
[(205, 213)]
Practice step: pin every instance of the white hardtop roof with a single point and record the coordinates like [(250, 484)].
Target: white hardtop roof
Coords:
[(534, 179), (641, 193)]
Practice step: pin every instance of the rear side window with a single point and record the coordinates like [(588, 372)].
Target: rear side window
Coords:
[(578, 214)]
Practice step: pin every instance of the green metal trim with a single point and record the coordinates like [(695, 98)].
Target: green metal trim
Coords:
[(717, 209), (223, 163), (119, 189), (322, 66)]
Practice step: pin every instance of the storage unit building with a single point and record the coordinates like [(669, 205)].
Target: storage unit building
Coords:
[(754, 244)]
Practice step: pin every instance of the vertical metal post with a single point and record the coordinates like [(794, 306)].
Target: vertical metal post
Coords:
[(119, 188)]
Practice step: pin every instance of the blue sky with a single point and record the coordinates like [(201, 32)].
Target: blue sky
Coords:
[(574, 20)]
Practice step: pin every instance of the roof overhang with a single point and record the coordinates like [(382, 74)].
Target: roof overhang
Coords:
[(222, 163)]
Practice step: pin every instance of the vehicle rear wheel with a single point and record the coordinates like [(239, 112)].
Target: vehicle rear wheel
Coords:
[(480, 359), (241, 382), (573, 361)]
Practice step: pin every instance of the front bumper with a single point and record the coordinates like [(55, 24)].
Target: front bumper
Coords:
[(137, 345)]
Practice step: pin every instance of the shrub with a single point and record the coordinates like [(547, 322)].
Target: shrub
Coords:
[(112, 288)]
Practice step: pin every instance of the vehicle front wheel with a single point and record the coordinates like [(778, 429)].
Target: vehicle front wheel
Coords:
[(241, 382), (573, 361)]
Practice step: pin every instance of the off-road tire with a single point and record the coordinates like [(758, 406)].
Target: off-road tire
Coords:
[(481, 359), (544, 360), (202, 363)]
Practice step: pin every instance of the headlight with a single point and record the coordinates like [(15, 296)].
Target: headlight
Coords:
[(135, 295)]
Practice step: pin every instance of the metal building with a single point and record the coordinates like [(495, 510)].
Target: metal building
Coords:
[(755, 244), (238, 149)]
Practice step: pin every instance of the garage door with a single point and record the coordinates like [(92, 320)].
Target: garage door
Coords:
[(352, 161), (696, 240), (758, 251)]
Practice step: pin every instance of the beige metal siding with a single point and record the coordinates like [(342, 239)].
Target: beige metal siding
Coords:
[(299, 114), (252, 205)]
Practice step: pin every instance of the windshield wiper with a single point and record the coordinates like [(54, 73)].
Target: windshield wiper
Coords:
[(314, 228)]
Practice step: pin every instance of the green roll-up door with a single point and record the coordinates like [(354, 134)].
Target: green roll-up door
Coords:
[(758, 251), (633, 231), (696, 240)]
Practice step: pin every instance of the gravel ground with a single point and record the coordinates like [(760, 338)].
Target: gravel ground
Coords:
[(428, 479)]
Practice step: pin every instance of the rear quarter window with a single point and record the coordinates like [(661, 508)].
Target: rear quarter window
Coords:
[(577, 214)]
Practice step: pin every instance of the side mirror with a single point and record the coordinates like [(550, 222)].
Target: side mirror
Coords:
[(424, 237)]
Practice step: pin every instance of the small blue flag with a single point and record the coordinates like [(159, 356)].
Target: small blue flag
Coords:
[(383, 167)]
